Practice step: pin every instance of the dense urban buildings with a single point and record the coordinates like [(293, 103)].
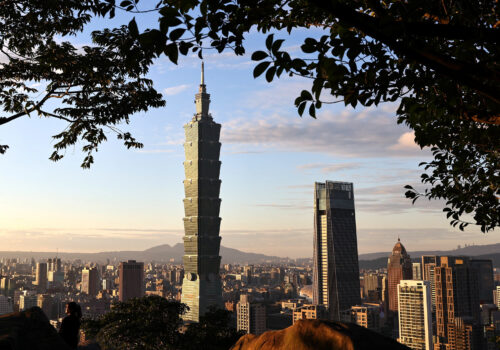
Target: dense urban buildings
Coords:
[(280, 293), (201, 286), (131, 274), (250, 316), (336, 272), (399, 267), (415, 314)]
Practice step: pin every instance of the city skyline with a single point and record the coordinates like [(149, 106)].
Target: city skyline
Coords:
[(133, 198)]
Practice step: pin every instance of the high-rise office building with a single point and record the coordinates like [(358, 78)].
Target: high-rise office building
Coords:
[(54, 264), (55, 278), (429, 262), (45, 302), (6, 305), (247, 273), (399, 268), (90, 281), (484, 270), (417, 271), (464, 334), (201, 286), (179, 276), (457, 304), (336, 271), (41, 276), (250, 316), (496, 296), (131, 274), (27, 300), (415, 319), (310, 312), (366, 315), (372, 282), (7, 286)]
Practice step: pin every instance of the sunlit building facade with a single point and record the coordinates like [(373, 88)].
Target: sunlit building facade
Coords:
[(336, 271), (399, 268), (201, 285), (415, 314)]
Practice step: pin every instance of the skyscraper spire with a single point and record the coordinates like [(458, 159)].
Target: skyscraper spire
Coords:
[(202, 99), (202, 74)]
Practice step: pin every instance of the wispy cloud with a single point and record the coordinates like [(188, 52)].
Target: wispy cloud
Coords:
[(330, 168), (365, 134), (406, 141), (292, 206), (174, 90)]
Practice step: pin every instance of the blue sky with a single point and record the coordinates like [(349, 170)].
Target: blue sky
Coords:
[(132, 200)]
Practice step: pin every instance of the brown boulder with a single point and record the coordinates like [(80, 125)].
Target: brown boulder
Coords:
[(29, 330), (318, 335)]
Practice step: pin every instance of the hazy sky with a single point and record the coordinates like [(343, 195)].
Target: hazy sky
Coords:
[(132, 200)]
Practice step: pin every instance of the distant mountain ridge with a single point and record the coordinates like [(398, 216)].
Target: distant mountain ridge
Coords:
[(472, 250), (166, 253), (161, 253)]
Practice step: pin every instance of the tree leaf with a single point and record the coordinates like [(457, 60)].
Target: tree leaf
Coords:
[(260, 68), (132, 26), (172, 52), (269, 41), (259, 55), (176, 33), (270, 74)]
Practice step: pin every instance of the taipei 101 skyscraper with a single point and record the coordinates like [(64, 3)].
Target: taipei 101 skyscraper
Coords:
[(201, 286)]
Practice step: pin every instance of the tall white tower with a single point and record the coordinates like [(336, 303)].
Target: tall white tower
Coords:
[(415, 314)]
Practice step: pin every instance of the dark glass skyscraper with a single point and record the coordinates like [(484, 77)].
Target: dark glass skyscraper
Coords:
[(201, 286), (336, 270), (131, 274), (457, 304)]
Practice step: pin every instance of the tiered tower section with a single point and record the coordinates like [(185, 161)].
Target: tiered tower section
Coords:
[(201, 286)]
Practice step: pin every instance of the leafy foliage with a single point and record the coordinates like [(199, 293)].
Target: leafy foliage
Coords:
[(212, 332), (439, 60), (98, 86), (152, 323), (141, 323)]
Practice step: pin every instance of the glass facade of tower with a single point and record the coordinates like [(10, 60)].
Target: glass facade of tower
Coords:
[(201, 286), (336, 270)]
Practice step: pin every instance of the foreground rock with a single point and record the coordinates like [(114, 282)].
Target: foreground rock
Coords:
[(318, 335), (29, 330)]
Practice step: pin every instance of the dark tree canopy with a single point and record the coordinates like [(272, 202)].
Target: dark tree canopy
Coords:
[(147, 323), (212, 332), (438, 59), (98, 87), (154, 323)]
